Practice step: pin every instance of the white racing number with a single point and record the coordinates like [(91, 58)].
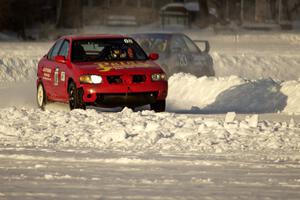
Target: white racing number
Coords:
[(56, 76), (128, 41), (182, 59), (62, 76)]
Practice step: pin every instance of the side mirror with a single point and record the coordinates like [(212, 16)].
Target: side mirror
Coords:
[(60, 59), (153, 56), (206, 43)]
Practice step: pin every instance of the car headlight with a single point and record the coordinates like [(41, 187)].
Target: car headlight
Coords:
[(90, 79), (159, 77)]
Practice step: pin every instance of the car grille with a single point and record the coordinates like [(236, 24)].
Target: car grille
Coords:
[(126, 99), (130, 79), (114, 79), (138, 78)]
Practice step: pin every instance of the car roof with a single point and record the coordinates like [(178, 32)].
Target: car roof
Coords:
[(99, 36), (156, 33)]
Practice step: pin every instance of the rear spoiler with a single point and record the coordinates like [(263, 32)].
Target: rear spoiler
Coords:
[(207, 46)]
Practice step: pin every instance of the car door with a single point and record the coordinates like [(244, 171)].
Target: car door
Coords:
[(56, 72), (60, 70), (49, 70), (201, 61), (197, 58), (180, 56)]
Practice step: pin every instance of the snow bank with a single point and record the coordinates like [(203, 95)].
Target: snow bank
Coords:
[(288, 37), (143, 131), (221, 95), (8, 36), (292, 90), (282, 67), (14, 69), (18, 60), (255, 55)]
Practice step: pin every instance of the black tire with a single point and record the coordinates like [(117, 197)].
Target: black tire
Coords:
[(75, 98), (210, 67), (159, 106), (132, 108), (211, 71), (41, 97), (166, 70)]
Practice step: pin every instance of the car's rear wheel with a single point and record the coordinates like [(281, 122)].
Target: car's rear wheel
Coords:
[(159, 106), (41, 96), (75, 98), (211, 71)]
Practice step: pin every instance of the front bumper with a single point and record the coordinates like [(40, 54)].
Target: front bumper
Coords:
[(113, 95)]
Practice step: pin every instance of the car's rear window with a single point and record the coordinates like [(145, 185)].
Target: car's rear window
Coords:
[(120, 49), (153, 42)]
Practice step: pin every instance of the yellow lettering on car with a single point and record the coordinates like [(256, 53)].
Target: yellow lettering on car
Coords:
[(107, 66), (103, 68)]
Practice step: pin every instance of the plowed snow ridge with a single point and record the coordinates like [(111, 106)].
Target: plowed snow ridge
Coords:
[(146, 130), (226, 94)]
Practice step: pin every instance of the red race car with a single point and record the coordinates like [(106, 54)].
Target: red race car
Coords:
[(102, 70)]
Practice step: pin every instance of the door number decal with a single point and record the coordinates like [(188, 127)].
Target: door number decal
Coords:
[(56, 76), (63, 76), (182, 60)]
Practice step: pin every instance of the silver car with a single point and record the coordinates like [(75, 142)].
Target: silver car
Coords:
[(178, 53)]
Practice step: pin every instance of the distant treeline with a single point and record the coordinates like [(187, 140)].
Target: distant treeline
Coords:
[(18, 15)]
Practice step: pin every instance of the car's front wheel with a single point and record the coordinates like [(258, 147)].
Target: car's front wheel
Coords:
[(75, 99), (41, 96), (159, 106), (166, 70)]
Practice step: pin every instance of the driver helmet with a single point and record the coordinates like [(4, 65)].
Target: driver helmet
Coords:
[(115, 53)]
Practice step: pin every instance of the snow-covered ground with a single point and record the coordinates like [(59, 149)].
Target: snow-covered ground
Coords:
[(47, 174), (198, 149)]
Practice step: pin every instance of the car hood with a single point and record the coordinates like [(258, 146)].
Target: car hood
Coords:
[(117, 67)]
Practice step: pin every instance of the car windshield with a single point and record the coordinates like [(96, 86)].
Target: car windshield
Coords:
[(153, 42), (120, 49)]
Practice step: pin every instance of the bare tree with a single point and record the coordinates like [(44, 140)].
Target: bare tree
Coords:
[(203, 9), (15, 16), (286, 10), (221, 9), (6, 14), (203, 14), (70, 14), (296, 7)]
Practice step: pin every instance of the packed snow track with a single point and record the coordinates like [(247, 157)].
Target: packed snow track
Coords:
[(47, 174)]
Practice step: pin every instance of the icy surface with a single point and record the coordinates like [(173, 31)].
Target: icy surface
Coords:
[(48, 174)]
